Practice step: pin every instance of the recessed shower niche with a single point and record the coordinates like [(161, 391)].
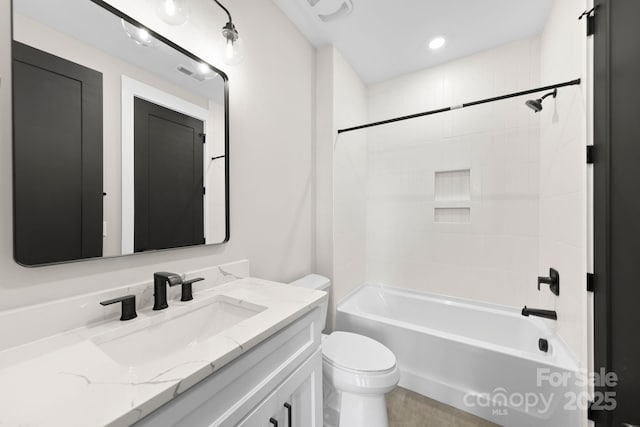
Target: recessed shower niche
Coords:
[(452, 196)]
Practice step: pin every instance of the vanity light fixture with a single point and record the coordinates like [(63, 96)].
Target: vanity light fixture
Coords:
[(173, 12), (437, 43), (140, 35), (233, 53)]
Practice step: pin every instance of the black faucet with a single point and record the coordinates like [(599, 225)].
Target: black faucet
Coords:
[(553, 281), (547, 314), (160, 282)]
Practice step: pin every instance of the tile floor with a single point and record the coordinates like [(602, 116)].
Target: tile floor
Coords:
[(409, 409)]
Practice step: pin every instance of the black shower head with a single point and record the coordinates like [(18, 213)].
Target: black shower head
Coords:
[(536, 104)]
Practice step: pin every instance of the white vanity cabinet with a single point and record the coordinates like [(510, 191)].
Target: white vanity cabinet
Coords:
[(253, 389), (294, 403)]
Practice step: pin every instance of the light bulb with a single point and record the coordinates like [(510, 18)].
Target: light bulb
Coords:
[(140, 35), (233, 52), (144, 35), (229, 51), (203, 68), (170, 8), (172, 12)]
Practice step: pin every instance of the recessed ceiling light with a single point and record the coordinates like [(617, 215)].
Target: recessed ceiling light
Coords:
[(436, 43)]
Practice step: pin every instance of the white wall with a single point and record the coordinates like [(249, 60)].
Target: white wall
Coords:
[(341, 165), (494, 256), (563, 171), (271, 112), (349, 181)]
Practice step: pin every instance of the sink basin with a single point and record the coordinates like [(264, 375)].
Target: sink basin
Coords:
[(171, 332)]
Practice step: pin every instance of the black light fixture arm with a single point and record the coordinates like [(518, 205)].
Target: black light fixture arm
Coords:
[(225, 10), (229, 31)]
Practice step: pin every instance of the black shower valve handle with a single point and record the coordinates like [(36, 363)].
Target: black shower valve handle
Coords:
[(553, 281)]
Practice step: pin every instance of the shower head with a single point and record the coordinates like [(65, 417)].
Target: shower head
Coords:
[(536, 104)]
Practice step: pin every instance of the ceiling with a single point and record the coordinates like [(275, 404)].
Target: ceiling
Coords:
[(382, 39)]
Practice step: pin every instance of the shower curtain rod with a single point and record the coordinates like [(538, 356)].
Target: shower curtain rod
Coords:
[(457, 107)]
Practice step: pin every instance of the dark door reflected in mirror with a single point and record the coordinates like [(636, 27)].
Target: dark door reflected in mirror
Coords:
[(120, 142), (57, 158), (169, 192)]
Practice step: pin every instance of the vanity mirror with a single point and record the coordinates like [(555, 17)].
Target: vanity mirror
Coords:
[(120, 137)]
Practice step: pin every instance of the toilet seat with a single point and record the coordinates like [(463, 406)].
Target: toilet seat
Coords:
[(357, 364), (357, 353)]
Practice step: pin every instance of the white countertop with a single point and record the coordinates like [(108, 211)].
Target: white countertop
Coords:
[(66, 380)]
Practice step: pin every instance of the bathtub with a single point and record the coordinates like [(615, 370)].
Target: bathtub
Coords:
[(481, 358)]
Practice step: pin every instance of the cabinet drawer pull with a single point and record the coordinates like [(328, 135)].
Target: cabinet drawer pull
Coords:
[(273, 421), (289, 414)]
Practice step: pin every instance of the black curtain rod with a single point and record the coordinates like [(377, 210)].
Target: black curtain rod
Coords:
[(457, 107)]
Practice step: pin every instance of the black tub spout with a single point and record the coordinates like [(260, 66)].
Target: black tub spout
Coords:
[(547, 314)]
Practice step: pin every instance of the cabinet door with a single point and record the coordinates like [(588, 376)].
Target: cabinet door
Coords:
[(297, 402)]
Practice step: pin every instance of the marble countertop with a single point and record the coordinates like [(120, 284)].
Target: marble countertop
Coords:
[(67, 380)]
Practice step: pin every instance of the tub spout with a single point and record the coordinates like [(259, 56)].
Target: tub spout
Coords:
[(547, 314)]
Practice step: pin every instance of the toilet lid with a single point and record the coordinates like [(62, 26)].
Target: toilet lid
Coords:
[(357, 352)]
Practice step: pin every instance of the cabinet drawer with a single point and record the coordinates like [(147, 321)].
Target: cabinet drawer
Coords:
[(225, 397)]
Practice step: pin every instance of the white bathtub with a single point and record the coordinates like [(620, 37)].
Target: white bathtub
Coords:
[(481, 358)]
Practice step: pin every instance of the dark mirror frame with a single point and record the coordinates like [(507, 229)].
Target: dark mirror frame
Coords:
[(185, 52)]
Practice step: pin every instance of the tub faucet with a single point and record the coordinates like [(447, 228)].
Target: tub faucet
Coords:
[(160, 282), (547, 314)]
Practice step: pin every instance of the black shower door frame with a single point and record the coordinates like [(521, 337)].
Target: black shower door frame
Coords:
[(616, 156)]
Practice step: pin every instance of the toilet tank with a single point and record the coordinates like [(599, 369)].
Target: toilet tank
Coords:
[(320, 283)]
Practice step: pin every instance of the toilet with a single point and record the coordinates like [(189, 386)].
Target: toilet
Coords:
[(357, 372)]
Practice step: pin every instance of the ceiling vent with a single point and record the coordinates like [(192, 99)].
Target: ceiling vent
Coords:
[(331, 10)]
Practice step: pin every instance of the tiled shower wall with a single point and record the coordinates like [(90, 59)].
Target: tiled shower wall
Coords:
[(477, 236), (563, 205)]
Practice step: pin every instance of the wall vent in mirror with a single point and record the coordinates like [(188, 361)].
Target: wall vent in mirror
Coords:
[(452, 196), (110, 131)]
